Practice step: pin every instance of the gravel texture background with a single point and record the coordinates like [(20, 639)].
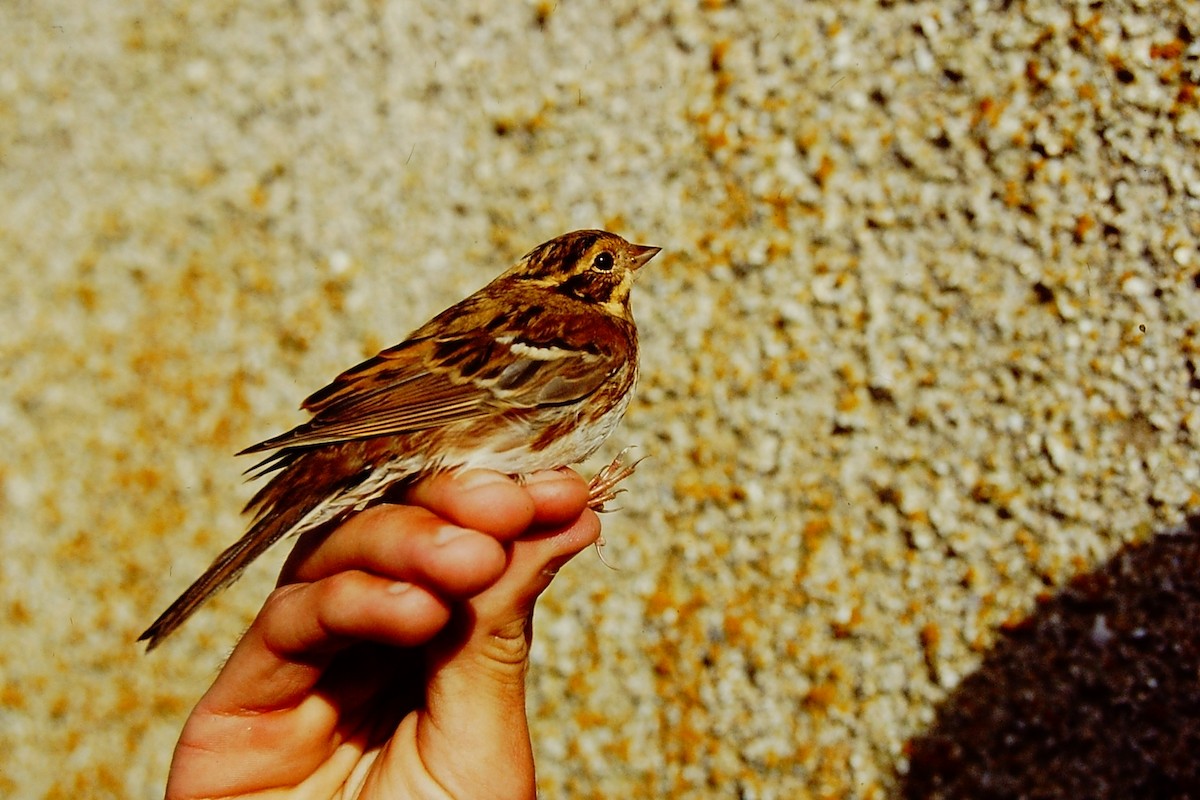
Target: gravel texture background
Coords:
[(923, 345)]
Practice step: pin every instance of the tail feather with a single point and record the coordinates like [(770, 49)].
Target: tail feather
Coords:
[(313, 489), (224, 570)]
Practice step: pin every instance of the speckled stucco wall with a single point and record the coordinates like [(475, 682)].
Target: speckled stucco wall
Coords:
[(923, 344)]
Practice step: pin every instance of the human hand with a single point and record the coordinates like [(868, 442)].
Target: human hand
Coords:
[(390, 661)]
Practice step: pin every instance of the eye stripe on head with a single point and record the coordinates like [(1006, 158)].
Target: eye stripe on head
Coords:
[(565, 250), (576, 248)]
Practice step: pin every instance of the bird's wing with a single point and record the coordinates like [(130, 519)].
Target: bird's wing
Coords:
[(429, 382)]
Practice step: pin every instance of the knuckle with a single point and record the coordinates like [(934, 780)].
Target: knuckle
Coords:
[(339, 589), (281, 596)]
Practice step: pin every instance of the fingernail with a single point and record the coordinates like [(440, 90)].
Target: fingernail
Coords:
[(448, 533), (399, 587), (482, 477), (549, 476), (552, 568)]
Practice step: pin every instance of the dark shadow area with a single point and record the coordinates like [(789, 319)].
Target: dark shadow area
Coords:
[(1096, 695)]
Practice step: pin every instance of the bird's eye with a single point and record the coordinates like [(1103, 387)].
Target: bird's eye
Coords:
[(603, 261)]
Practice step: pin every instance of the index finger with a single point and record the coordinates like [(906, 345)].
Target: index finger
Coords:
[(499, 505)]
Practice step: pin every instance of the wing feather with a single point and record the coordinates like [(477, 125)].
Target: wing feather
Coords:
[(426, 383)]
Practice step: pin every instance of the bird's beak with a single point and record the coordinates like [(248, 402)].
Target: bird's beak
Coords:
[(643, 253)]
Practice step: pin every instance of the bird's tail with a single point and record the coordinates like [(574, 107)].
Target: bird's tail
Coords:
[(224, 570), (305, 495)]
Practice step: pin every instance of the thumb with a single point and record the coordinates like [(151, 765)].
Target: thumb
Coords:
[(476, 679)]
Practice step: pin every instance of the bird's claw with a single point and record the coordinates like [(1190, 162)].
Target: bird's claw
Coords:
[(603, 487)]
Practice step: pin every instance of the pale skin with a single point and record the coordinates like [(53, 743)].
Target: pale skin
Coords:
[(391, 660)]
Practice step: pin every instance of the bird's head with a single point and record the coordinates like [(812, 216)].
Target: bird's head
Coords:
[(590, 265)]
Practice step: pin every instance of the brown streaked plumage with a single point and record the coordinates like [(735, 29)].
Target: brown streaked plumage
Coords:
[(531, 372)]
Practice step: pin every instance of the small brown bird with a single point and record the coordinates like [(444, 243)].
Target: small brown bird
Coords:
[(531, 372)]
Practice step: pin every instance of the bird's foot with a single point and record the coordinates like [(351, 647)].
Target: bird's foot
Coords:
[(603, 490)]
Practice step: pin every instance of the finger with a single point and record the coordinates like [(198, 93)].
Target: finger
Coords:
[(479, 499), (302, 626), (404, 543), (559, 496), (497, 504), (306, 620), (506, 605), (476, 693)]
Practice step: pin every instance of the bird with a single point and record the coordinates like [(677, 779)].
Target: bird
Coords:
[(531, 372)]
